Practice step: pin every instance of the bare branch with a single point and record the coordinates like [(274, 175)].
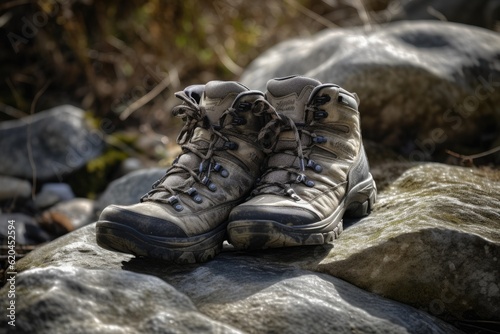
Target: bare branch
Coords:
[(28, 140), (469, 158), (145, 99)]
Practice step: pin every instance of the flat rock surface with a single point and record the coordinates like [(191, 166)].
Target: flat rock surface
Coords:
[(104, 301), (236, 290)]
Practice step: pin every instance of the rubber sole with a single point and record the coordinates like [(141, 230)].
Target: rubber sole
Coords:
[(123, 238), (262, 234)]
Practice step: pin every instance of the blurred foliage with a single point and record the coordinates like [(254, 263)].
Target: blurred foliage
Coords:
[(93, 178), (128, 57)]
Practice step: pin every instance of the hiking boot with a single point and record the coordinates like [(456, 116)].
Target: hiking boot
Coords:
[(316, 171), (184, 217)]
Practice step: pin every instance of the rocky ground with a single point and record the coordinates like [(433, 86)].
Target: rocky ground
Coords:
[(425, 260)]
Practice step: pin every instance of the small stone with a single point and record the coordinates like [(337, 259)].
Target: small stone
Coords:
[(12, 188), (129, 188), (27, 230), (53, 193), (62, 190), (46, 200), (130, 165), (67, 216)]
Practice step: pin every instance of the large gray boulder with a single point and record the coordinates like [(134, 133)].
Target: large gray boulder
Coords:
[(432, 243), (49, 144), (483, 13), (424, 86), (72, 281), (74, 300), (129, 188)]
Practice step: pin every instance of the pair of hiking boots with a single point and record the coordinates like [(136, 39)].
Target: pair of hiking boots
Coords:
[(259, 170)]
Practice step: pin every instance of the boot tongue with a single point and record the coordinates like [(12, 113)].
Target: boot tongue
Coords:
[(289, 95), (218, 97)]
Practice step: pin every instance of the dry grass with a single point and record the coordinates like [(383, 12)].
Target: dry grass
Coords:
[(126, 58)]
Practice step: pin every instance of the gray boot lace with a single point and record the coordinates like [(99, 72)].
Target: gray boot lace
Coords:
[(273, 180), (195, 116)]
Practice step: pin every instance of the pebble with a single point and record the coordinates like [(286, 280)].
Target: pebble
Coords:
[(12, 187)]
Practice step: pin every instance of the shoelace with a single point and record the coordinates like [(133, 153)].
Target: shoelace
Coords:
[(194, 116), (269, 139)]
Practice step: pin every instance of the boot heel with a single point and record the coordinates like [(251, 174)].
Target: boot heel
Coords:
[(358, 209)]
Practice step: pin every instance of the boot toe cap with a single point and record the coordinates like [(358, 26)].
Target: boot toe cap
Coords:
[(143, 219)]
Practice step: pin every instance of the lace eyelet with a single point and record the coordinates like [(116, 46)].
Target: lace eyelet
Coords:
[(193, 193), (229, 145), (322, 99), (319, 140), (290, 192), (244, 106), (313, 165), (210, 185), (203, 166), (309, 183), (155, 184), (174, 201), (239, 121), (320, 114), (221, 170)]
